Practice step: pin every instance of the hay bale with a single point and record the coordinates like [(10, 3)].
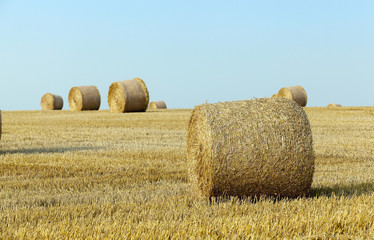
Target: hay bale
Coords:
[(157, 105), (334, 105), (128, 96), (296, 93), (84, 98), (275, 95), (51, 102), (250, 148)]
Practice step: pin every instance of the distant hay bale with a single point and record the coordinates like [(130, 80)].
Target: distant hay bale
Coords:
[(157, 105), (50, 101), (84, 98), (275, 95), (296, 93), (128, 96), (334, 105), (250, 148)]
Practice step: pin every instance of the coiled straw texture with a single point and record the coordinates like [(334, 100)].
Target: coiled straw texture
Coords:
[(128, 96), (250, 148), (84, 98), (157, 105), (296, 93), (51, 102)]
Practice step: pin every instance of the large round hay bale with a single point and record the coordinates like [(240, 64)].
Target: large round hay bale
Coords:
[(250, 148), (296, 93), (157, 105), (334, 105), (50, 101), (128, 96), (84, 98)]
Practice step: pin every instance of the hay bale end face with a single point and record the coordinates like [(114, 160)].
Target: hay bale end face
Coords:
[(84, 98), (296, 93), (51, 102), (157, 105), (250, 148), (128, 96), (334, 105)]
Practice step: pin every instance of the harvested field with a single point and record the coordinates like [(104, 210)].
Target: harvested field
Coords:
[(98, 174)]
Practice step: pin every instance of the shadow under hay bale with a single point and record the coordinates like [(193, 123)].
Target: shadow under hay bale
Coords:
[(343, 190), (296, 93), (128, 96), (157, 105), (84, 98), (50, 101), (250, 148), (47, 150)]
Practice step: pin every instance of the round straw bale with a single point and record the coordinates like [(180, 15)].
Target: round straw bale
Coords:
[(128, 96), (84, 98), (250, 148), (334, 105), (296, 93), (51, 102), (157, 105), (275, 95)]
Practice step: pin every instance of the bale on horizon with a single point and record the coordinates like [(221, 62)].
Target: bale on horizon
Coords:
[(84, 98), (128, 96), (157, 105), (51, 101), (274, 95), (334, 105), (250, 148), (296, 93)]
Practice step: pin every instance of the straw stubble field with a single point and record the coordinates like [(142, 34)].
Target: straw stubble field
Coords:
[(105, 175)]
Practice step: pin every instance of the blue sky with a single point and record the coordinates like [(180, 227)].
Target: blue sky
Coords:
[(188, 52)]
